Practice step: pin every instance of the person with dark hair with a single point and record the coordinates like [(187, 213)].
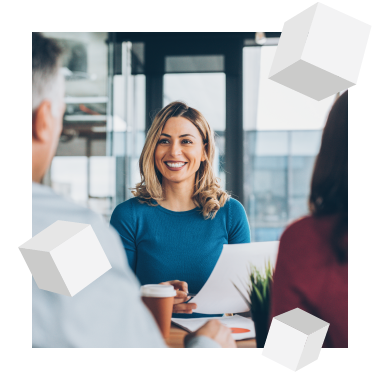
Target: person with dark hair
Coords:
[(109, 312), (312, 265)]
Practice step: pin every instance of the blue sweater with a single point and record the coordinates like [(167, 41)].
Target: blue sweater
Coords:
[(163, 245)]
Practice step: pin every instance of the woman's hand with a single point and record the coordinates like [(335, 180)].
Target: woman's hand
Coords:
[(181, 297)]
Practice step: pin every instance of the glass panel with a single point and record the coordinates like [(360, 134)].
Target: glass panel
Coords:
[(280, 108), (304, 147), (102, 184), (251, 79), (272, 144), (194, 64), (80, 170), (282, 135), (277, 178), (301, 169), (75, 146), (267, 189), (128, 134), (305, 143), (135, 131), (102, 177), (69, 178), (207, 94)]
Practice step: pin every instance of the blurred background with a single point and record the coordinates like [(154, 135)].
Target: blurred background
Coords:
[(267, 135)]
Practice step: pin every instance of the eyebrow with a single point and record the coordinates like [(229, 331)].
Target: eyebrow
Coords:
[(188, 134)]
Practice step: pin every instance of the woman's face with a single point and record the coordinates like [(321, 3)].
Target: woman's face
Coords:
[(179, 150)]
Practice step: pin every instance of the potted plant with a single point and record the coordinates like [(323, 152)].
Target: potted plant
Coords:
[(259, 290)]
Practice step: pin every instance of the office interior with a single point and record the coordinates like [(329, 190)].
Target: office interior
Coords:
[(267, 135)]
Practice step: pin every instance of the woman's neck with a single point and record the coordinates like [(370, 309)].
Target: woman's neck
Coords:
[(178, 196)]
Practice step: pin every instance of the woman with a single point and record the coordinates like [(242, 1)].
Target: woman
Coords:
[(312, 269), (176, 225)]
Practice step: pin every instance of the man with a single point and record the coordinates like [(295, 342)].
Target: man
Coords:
[(109, 312)]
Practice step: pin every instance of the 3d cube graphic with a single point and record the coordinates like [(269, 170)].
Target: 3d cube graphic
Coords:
[(295, 339), (65, 257), (320, 52)]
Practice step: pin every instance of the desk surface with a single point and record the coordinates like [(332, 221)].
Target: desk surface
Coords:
[(177, 335)]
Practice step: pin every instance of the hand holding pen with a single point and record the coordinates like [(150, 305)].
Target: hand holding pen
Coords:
[(182, 297)]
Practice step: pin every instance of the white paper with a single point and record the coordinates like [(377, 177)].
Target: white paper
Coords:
[(219, 295), (236, 321)]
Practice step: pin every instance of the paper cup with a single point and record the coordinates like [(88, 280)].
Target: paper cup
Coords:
[(159, 299)]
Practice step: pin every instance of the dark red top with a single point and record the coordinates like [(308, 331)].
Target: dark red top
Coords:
[(309, 277)]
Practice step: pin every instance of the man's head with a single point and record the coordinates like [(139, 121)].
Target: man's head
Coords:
[(48, 104)]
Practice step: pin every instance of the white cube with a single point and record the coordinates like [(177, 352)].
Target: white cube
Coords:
[(65, 257), (320, 52), (295, 339)]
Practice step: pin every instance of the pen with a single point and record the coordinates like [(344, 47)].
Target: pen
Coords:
[(191, 295)]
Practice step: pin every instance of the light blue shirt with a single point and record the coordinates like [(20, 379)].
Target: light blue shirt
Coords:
[(107, 313)]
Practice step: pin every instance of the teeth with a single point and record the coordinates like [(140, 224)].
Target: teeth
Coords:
[(173, 165)]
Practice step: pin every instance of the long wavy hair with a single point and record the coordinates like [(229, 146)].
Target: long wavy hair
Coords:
[(208, 194), (329, 184)]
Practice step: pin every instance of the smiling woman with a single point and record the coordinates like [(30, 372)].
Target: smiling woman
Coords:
[(178, 156), (180, 135), (176, 225)]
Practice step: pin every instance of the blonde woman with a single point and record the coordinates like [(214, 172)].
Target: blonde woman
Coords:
[(176, 225)]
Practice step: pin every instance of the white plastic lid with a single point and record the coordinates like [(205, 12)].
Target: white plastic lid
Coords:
[(157, 291)]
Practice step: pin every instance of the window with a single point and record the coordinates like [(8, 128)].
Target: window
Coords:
[(81, 169), (282, 134)]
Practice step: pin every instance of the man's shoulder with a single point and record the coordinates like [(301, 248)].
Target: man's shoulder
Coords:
[(49, 207)]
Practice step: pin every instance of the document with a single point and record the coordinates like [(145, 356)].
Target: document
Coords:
[(241, 328), (219, 295)]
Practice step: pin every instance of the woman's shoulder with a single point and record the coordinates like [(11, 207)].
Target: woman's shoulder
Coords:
[(309, 225), (129, 204), (237, 222), (307, 235), (234, 206), (130, 207), (233, 202), (299, 231), (230, 208), (301, 223)]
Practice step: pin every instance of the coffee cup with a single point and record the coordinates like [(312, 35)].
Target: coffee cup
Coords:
[(159, 299)]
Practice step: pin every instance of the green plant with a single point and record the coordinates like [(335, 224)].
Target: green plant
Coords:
[(259, 290)]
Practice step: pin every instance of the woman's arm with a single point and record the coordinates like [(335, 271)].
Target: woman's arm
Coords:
[(238, 226), (123, 220)]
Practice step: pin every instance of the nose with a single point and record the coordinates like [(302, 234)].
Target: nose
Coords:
[(176, 149)]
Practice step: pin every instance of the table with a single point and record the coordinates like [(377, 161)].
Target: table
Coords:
[(177, 335)]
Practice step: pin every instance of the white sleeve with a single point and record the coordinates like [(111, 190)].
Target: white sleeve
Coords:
[(107, 313)]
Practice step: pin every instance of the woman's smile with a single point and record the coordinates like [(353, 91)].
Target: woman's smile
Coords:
[(179, 151), (175, 165)]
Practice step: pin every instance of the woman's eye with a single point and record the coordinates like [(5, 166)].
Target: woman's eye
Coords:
[(164, 141), (187, 141)]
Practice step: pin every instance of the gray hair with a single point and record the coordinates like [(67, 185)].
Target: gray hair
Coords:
[(47, 80)]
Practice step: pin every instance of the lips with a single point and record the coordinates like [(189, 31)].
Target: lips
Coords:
[(175, 165)]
